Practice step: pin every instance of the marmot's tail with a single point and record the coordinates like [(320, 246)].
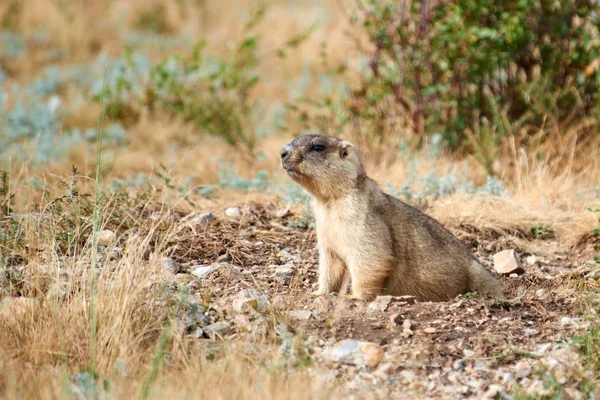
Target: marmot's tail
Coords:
[(482, 282)]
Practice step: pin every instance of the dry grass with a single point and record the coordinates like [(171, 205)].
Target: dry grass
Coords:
[(44, 344)]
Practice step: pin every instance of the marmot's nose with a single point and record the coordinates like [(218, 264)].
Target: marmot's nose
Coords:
[(284, 152)]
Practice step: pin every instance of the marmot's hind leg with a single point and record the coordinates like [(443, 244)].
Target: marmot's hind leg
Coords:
[(370, 280)]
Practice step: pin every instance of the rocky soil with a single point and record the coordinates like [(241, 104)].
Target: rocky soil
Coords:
[(251, 270)]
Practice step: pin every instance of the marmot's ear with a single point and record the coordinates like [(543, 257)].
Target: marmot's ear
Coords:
[(345, 149)]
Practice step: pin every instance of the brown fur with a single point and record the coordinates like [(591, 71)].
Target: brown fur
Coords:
[(381, 244)]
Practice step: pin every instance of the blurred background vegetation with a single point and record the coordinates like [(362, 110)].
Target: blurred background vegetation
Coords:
[(477, 78)]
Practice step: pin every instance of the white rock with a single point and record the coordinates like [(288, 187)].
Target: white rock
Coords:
[(245, 305), (506, 262), (542, 349), (202, 271), (171, 266), (302, 315), (468, 353), (284, 271), (106, 237), (531, 332), (540, 292), (407, 376), (234, 212), (522, 369), (531, 260), (568, 321), (203, 219), (356, 352), (218, 330), (381, 303)]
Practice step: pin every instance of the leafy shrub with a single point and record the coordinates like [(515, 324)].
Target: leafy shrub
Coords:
[(469, 69)]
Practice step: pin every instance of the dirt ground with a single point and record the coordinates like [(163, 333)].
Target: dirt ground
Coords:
[(466, 348)]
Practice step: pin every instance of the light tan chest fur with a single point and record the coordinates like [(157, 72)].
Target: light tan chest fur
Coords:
[(341, 225)]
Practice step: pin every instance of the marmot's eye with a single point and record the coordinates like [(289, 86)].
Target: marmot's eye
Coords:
[(318, 147)]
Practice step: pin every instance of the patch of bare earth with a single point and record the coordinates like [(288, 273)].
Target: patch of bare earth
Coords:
[(243, 269)]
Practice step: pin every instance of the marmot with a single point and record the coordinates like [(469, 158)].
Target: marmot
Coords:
[(384, 245)]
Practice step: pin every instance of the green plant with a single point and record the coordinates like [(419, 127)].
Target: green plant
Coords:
[(214, 94), (470, 70)]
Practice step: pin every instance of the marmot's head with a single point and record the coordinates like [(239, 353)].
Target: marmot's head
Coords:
[(327, 167)]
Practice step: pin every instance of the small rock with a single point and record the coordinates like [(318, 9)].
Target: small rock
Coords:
[(245, 305), (506, 262), (506, 377), (406, 331), (405, 299), (407, 376), (396, 319), (355, 352), (381, 303), (302, 315), (493, 392), (430, 330), (106, 238), (171, 266), (234, 212), (531, 260), (255, 294), (202, 271), (542, 349), (540, 292), (458, 365), (531, 332), (384, 370), (522, 369), (282, 212), (195, 332), (203, 219), (218, 330), (468, 353), (284, 271), (285, 256), (568, 321)]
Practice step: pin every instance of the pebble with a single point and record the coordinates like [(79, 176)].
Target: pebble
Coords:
[(407, 376), (356, 352), (381, 303), (218, 330), (203, 219), (302, 315), (507, 262), (522, 369), (284, 271), (531, 260), (406, 331), (245, 305), (171, 266), (234, 212), (531, 332), (458, 365), (202, 271), (106, 237)]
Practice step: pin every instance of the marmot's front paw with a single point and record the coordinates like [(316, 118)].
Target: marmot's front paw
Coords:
[(318, 293)]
